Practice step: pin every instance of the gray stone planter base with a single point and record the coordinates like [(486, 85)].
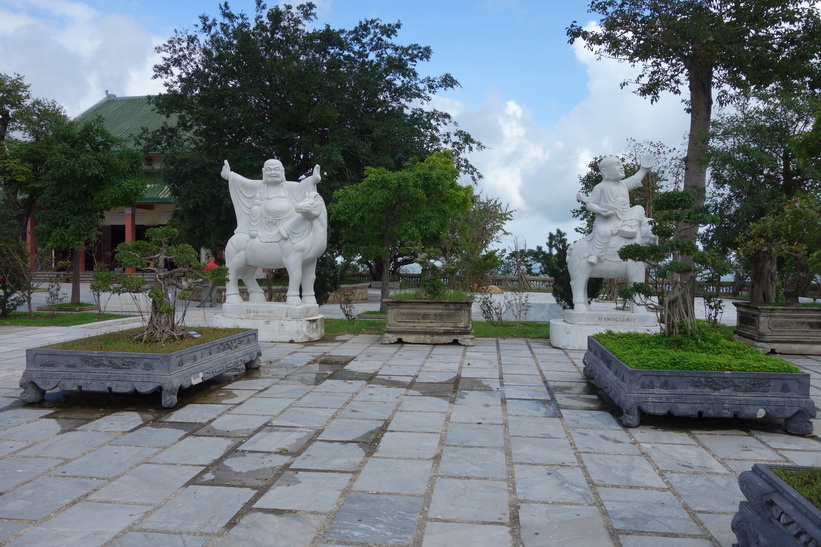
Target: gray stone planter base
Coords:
[(774, 513), (428, 321), (118, 372), (701, 393)]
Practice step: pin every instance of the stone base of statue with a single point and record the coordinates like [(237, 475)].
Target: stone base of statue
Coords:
[(571, 333), (275, 321)]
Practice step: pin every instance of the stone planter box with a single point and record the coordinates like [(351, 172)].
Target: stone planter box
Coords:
[(774, 513), (120, 372), (783, 329), (428, 321), (701, 393), (358, 293)]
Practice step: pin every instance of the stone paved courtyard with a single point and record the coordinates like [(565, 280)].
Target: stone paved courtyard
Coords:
[(351, 442)]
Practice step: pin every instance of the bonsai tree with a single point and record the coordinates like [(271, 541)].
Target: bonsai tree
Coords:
[(174, 269), (674, 264), (791, 237)]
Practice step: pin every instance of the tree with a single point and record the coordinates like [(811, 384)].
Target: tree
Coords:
[(557, 269), (27, 128), (466, 254), (673, 278), (791, 232), (702, 45), (754, 169), (175, 267), (393, 213), (85, 175), (277, 86)]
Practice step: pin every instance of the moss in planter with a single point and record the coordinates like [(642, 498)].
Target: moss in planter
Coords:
[(806, 482), (123, 341), (714, 352), (417, 295)]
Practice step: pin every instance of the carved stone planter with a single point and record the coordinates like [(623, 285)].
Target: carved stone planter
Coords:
[(783, 329), (429, 321), (701, 393), (120, 372), (774, 513)]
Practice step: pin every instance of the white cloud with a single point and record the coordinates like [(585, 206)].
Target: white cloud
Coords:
[(69, 52), (536, 169)]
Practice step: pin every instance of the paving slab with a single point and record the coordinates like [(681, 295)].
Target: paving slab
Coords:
[(350, 442)]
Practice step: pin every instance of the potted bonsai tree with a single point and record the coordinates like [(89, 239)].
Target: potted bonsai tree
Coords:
[(784, 251), (162, 354), (433, 314), (690, 369)]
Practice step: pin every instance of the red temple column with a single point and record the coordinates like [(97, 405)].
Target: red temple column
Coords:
[(130, 228)]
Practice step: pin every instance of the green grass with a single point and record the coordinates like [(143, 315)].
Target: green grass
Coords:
[(54, 319), (122, 341), (806, 482), (715, 352), (481, 329), (69, 305)]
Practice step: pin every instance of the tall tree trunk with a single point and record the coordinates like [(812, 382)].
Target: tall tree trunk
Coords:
[(764, 278), (701, 108), (386, 280)]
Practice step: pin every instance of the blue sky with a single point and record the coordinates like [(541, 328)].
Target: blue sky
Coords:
[(543, 107)]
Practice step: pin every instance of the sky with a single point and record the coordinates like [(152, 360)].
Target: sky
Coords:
[(542, 107)]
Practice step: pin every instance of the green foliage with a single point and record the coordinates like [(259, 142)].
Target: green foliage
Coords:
[(422, 294), (481, 329), (755, 167), (806, 481), (697, 46), (466, 255), (674, 263), (793, 233), (392, 213), (561, 275), (86, 174), (278, 84), (175, 268), (13, 262), (330, 272), (710, 351)]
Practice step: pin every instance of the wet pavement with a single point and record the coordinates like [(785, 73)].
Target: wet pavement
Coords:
[(347, 441)]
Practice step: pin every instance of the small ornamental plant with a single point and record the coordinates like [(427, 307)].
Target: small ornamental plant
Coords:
[(674, 263), (175, 269)]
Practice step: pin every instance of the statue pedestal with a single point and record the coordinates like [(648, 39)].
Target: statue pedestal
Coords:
[(572, 332), (274, 321)]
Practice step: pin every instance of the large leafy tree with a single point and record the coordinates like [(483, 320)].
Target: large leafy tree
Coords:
[(86, 174), (391, 214), (27, 127), (277, 85), (754, 168), (699, 46)]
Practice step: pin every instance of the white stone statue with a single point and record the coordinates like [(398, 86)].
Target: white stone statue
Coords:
[(280, 224), (617, 224)]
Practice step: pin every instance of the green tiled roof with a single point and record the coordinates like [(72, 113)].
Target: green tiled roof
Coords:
[(125, 117), (156, 190)]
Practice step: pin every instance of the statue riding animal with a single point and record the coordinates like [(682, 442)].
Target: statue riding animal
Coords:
[(617, 224), (610, 266), (280, 224)]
